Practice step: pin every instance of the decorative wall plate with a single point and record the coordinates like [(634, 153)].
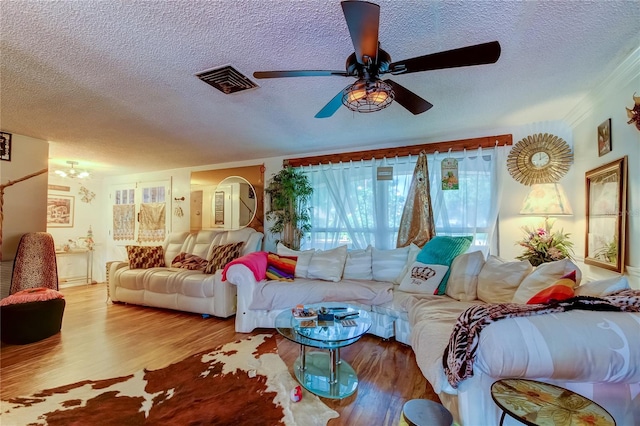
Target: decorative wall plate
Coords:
[(539, 158)]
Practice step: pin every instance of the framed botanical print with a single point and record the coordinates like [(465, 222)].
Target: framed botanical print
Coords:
[(606, 188), (5, 146), (60, 211)]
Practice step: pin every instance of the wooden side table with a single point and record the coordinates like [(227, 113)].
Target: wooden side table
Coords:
[(537, 403)]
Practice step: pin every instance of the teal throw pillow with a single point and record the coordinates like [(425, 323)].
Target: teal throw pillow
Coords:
[(441, 250)]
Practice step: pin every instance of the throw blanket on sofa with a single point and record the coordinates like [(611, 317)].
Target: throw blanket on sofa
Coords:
[(460, 353), (256, 262)]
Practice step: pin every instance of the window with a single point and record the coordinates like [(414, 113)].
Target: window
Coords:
[(139, 212), (351, 206)]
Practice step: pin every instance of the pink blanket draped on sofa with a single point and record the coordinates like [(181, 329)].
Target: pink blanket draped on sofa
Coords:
[(256, 262), (459, 355)]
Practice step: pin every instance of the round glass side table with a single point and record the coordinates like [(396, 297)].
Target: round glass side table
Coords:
[(540, 404)]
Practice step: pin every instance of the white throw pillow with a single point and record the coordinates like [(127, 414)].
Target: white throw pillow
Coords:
[(498, 280), (388, 264), (413, 253), (423, 278), (328, 265), (463, 279), (543, 276), (601, 288), (358, 265), (304, 257)]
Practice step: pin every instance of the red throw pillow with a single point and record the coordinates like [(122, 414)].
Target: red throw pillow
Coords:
[(561, 290)]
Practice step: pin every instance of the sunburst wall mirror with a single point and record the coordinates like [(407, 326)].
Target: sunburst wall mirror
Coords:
[(539, 158)]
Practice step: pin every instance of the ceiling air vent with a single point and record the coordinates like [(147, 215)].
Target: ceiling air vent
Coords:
[(227, 80)]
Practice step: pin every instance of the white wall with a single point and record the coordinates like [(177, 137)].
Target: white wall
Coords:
[(87, 213), (25, 203), (609, 100)]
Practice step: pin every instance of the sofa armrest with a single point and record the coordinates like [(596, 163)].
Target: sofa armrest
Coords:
[(578, 346), (113, 267), (242, 277)]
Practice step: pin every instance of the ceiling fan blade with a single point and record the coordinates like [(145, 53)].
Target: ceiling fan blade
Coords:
[(299, 73), (486, 53), (405, 97), (363, 20), (334, 105)]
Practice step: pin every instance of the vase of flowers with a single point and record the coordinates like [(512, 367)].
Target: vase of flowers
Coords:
[(544, 245)]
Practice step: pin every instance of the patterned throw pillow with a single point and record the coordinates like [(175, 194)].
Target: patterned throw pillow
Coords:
[(304, 258), (441, 250), (542, 276), (423, 278), (281, 268), (560, 290), (189, 261), (144, 257), (221, 255)]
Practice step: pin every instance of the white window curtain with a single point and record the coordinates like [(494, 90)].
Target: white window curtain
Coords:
[(473, 208), (350, 206)]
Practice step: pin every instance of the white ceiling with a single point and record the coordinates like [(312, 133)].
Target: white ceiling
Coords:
[(111, 84)]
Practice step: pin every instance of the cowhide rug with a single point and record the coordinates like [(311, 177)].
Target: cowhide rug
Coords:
[(240, 383)]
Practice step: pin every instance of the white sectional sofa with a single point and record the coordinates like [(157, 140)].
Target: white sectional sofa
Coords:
[(178, 288), (370, 287), (594, 353)]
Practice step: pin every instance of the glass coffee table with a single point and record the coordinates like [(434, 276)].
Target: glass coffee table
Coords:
[(324, 373)]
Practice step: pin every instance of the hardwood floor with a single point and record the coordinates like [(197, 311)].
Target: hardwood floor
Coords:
[(101, 340)]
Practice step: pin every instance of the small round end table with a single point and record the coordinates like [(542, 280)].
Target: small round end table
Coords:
[(537, 403)]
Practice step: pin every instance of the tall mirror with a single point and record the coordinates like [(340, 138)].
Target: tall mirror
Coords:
[(227, 199)]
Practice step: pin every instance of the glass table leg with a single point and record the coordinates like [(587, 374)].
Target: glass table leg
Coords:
[(324, 377), (303, 361)]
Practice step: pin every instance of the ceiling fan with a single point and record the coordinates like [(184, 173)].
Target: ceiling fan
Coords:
[(370, 93)]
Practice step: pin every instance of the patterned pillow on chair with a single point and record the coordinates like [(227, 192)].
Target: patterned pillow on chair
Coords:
[(144, 257), (221, 255)]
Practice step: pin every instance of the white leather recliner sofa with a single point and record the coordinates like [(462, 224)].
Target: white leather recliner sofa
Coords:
[(183, 289)]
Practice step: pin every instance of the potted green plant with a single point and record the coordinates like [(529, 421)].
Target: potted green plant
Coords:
[(289, 193), (544, 245)]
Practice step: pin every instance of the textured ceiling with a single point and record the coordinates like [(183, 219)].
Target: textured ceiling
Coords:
[(112, 84)]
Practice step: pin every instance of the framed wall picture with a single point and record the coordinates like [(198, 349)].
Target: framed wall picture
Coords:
[(5, 146), (60, 209), (606, 215), (604, 137)]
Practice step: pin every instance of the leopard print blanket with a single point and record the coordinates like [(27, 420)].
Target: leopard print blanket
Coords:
[(460, 353)]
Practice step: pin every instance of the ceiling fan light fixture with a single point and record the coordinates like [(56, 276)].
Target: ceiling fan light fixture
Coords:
[(368, 96), (71, 172)]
